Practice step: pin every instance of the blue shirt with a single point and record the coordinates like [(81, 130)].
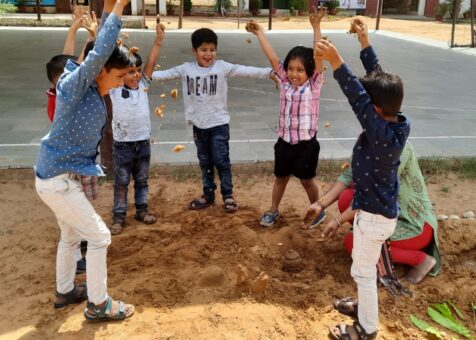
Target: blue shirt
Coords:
[(72, 143), (376, 154)]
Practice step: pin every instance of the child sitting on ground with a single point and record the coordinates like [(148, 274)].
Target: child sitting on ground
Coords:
[(297, 149), (205, 90), (131, 131), (376, 100)]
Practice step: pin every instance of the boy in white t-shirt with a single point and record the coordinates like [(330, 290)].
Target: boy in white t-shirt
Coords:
[(131, 131), (205, 90)]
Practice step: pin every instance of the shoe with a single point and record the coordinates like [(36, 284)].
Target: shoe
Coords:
[(81, 266), (117, 225), (269, 218), (317, 220)]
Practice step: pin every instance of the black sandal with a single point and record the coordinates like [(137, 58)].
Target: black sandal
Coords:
[(199, 203), (351, 332), (347, 306), (230, 205), (78, 294)]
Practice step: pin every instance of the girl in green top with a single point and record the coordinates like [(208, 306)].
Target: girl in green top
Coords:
[(415, 241)]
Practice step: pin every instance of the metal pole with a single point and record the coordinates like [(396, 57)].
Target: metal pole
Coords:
[(143, 14), (270, 19), (180, 14), (157, 10), (453, 24), (473, 32), (379, 14), (38, 10), (239, 12)]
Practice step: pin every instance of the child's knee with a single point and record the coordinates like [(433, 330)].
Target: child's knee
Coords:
[(308, 183)]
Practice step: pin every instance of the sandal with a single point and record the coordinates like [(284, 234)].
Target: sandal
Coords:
[(348, 332), (145, 217), (117, 226), (230, 205), (92, 313), (347, 306), (79, 293), (199, 203), (269, 218)]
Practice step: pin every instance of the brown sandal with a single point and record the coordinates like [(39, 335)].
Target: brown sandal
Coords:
[(351, 332), (230, 205), (145, 217), (78, 294), (117, 226)]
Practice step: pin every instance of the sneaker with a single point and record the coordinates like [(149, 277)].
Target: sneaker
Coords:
[(269, 218), (81, 266), (318, 220)]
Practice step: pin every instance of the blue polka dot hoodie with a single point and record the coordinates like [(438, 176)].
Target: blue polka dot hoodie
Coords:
[(376, 154), (72, 143)]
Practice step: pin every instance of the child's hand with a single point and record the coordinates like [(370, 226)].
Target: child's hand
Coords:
[(359, 27), (253, 27), (330, 229), (91, 23), (317, 15), (160, 31), (311, 213), (76, 15), (324, 50)]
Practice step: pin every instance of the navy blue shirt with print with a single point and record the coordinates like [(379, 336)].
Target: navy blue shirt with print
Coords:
[(376, 155)]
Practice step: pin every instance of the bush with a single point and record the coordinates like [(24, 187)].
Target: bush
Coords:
[(297, 5), (454, 4), (7, 7), (441, 9), (222, 6), (187, 6), (255, 6), (332, 4)]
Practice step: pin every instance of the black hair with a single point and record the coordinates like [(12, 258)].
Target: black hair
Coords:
[(55, 67), (120, 58), (385, 90), (305, 54), (204, 35)]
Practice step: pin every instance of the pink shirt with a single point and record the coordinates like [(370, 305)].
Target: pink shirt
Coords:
[(299, 107)]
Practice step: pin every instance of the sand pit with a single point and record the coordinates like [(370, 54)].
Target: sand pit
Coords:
[(211, 275)]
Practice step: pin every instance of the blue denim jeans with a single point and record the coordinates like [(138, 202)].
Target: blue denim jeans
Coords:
[(213, 151), (130, 158)]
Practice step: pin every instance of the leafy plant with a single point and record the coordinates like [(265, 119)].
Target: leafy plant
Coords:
[(457, 310), (187, 5), (454, 6), (297, 5), (222, 6), (332, 4), (441, 9), (255, 6), (7, 7), (426, 327), (441, 314)]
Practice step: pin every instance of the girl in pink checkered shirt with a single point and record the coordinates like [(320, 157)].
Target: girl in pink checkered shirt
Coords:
[(297, 150)]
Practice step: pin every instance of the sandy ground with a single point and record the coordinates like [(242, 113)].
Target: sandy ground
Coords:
[(426, 29), (181, 271)]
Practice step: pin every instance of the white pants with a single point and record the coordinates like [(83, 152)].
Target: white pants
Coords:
[(77, 220), (370, 231)]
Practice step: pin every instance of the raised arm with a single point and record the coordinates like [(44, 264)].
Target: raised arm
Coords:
[(367, 54), (71, 36), (315, 19), (91, 24), (257, 29), (108, 7), (154, 51)]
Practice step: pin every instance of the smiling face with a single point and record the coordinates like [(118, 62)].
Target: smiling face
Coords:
[(296, 72), (131, 79), (205, 54), (110, 79)]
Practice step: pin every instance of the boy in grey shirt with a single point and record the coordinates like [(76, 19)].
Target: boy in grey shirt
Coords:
[(205, 91)]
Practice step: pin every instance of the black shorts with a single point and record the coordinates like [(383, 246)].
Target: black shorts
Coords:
[(299, 159)]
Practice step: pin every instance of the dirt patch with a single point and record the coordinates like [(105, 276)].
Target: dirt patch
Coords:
[(210, 275)]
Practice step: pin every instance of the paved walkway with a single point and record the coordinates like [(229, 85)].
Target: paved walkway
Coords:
[(439, 95)]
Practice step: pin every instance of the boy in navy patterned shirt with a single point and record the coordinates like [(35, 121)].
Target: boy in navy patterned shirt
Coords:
[(376, 100)]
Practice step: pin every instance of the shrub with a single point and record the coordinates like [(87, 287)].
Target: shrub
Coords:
[(7, 7)]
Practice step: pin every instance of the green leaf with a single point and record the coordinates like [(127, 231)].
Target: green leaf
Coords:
[(448, 323), (444, 310), (457, 310), (426, 327)]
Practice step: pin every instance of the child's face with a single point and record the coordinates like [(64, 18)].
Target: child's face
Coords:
[(131, 79), (107, 80), (205, 54), (296, 72)]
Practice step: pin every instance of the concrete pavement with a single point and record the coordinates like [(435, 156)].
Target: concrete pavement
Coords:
[(439, 95)]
